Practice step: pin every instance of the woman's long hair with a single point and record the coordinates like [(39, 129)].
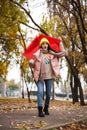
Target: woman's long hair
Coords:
[(49, 48)]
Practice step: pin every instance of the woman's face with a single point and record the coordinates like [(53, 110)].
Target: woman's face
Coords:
[(45, 46)]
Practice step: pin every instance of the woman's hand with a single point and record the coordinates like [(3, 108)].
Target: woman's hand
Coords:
[(31, 63)]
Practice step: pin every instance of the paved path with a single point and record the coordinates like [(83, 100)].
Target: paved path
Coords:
[(29, 119)]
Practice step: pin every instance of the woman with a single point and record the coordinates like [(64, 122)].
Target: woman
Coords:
[(46, 68)]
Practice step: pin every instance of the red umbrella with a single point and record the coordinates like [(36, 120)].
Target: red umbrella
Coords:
[(35, 45)]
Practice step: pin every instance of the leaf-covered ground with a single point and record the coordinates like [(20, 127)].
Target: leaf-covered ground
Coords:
[(81, 125), (10, 105)]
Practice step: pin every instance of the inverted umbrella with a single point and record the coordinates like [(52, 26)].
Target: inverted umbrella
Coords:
[(35, 45)]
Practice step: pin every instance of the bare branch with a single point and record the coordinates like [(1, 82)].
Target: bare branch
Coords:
[(28, 13)]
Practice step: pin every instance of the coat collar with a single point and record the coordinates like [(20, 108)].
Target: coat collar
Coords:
[(37, 55)]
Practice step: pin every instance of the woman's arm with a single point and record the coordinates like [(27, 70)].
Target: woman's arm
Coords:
[(61, 53), (58, 54)]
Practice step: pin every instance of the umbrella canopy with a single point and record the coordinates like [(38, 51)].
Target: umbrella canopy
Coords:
[(35, 45)]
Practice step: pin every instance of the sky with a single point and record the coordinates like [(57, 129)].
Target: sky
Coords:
[(14, 73)]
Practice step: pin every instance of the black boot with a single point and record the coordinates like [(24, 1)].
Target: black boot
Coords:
[(46, 110), (40, 112)]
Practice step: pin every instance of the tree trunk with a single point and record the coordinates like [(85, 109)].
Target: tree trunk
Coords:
[(81, 93), (28, 93), (22, 93), (75, 90), (22, 87), (4, 89), (72, 89), (77, 83)]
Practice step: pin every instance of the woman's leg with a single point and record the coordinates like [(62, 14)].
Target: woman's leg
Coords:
[(40, 86), (48, 85)]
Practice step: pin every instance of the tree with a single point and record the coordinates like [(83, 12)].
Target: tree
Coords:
[(9, 37), (73, 32)]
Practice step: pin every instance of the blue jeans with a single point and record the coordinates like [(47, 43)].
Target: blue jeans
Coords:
[(40, 86)]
